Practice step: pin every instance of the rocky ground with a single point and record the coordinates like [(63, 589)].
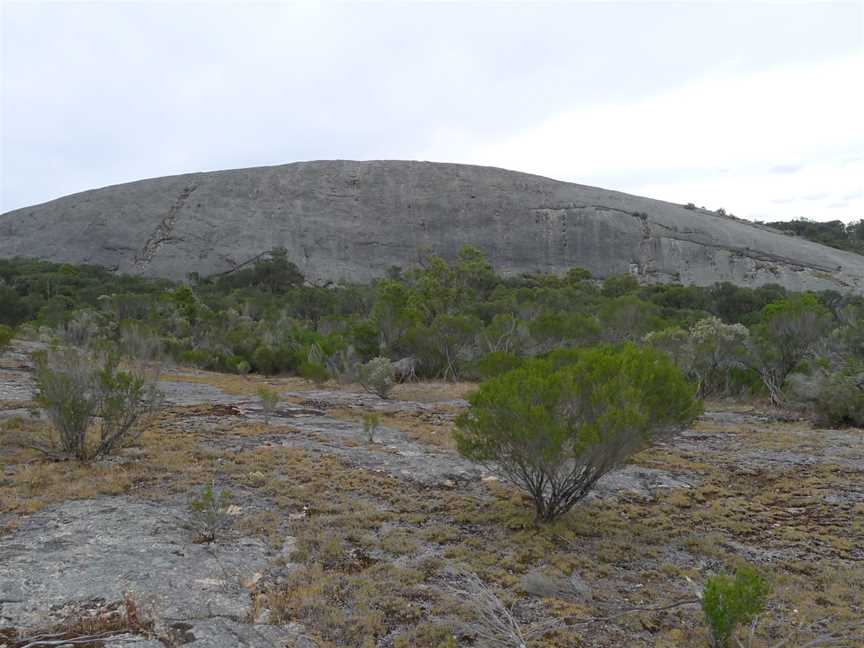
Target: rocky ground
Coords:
[(334, 541)]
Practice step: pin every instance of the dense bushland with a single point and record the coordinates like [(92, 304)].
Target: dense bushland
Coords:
[(456, 320), (834, 233)]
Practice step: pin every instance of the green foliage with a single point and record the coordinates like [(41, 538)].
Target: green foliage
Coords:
[(787, 333), (840, 399), (496, 363), (628, 318), (209, 512), (6, 334), (275, 274), (577, 275), (269, 401), (447, 315), (555, 426), (618, 285), (75, 388), (731, 601), (834, 233), (377, 376), (371, 422), (314, 371)]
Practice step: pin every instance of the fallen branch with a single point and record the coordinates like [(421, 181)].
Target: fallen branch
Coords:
[(631, 610)]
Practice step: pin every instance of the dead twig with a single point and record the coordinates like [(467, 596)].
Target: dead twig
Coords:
[(631, 610)]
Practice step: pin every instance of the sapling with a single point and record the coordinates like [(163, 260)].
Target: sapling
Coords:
[(209, 512), (729, 601), (269, 400), (371, 422)]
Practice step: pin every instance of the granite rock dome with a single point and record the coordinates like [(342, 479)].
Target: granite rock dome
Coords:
[(353, 220)]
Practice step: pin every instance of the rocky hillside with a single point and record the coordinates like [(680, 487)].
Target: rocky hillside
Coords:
[(353, 220)]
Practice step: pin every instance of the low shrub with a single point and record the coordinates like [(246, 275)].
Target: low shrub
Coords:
[(314, 371), (496, 363), (82, 392), (371, 422), (5, 336), (209, 512), (269, 401), (729, 601), (377, 376), (840, 400)]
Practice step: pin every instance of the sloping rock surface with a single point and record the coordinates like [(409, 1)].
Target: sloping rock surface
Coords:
[(354, 220)]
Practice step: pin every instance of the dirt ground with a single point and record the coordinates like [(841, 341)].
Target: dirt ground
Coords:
[(335, 541)]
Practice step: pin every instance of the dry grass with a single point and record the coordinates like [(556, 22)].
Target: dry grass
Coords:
[(371, 547)]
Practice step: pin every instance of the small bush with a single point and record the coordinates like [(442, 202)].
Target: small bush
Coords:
[(75, 388), (840, 400), (313, 371), (209, 512), (371, 422), (344, 366), (377, 376), (198, 358), (731, 601), (269, 401), (5, 336)]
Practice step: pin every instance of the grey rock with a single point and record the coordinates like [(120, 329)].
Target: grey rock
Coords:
[(353, 220), (545, 584), (225, 633), (84, 551), (638, 480)]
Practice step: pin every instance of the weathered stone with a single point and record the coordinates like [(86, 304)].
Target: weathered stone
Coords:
[(84, 551), (354, 220)]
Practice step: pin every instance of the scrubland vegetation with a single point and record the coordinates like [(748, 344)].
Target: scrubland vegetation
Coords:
[(577, 377), (837, 234), (456, 321)]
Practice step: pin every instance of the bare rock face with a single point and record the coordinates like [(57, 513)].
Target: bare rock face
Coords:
[(353, 220)]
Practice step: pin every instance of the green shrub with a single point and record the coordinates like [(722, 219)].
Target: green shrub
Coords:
[(274, 360), (377, 376), (371, 422), (269, 401), (731, 601), (5, 336), (554, 427), (76, 389), (840, 400), (618, 285), (209, 512), (496, 363), (235, 364), (314, 371), (197, 358)]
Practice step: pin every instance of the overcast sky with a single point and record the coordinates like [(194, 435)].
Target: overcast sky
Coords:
[(753, 107)]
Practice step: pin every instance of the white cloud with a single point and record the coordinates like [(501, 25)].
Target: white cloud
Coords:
[(719, 141)]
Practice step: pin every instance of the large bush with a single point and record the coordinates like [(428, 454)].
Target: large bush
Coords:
[(787, 335), (93, 404), (554, 427)]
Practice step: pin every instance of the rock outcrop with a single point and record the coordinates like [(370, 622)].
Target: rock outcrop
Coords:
[(353, 220)]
